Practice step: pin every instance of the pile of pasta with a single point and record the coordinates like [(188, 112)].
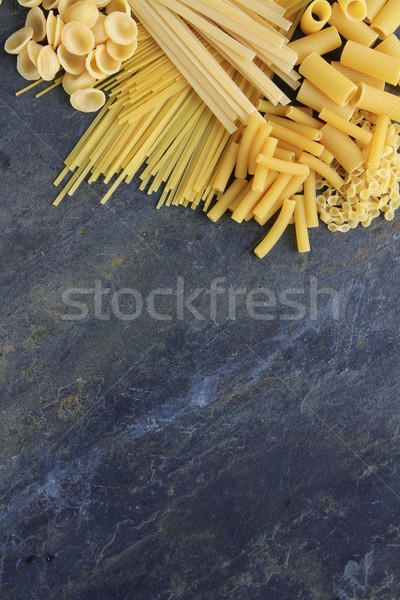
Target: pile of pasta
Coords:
[(76, 36), (197, 114)]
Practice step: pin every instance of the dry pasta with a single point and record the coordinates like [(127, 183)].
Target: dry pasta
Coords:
[(345, 151), (300, 222), (351, 30), (388, 19), (345, 126), (358, 77), (373, 7), (321, 42), (378, 141), (326, 78), (277, 230), (354, 10), (311, 96), (373, 63), (377, 102), (315, 17)]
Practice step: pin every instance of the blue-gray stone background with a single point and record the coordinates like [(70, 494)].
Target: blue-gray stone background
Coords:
[(187, 458)]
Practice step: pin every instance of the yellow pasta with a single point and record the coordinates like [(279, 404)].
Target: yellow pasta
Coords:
[(327, 157), (261, 174), (225, 201), (340, 123), (83, 11), (19, 40), (321, 42), (315, 17), (354, 10), (120, 28), (36, 19), (311, 96), (276, 230), (282, 166), (264, 106), (226, 167), (390, 46), (388, 19), (377, 102), (327, 79), (345, 151), (71, 63), (88, 100), (48, 64), (299, 116), (246, 143), (351, 30), (310, 200), (271, 197), (77, 38), (373, 7), (296, 139), (284, 154), (322, 169), (358, 77), (309, 132), (300, 222), (373, 63), (246, 205), (294, 186), (257, 146), (26, 67), (378, 141)]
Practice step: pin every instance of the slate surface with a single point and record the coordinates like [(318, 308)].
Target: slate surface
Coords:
[(190, 458)]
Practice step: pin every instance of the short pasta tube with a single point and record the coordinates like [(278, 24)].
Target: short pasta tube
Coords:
[(357, 77), (282, 166), (317, 165), (373, 63), (226, 167), (340, 123), (261, 174), (296, 139), (310, 200), (225, 201), (378, 141), (388, 19), (276, 231), (326, 78), (355, 10), (373, 7), (378, 102), (323, 41), (345, 151), (315, 17), (352, 30), (311, 96), (300, 223), (390, 46)]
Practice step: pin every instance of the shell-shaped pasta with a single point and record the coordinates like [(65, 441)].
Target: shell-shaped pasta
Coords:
[(92, 67), (83, 12), (88, 100), (98, 30), (118, 6), (19, 40), (71, 63), (33, 49), (101, 3), (26, 67), (36, 19), (58, 32), (106, 63), (47, 63), (50, 4), (51, 25), (29, 3), (120, 28), (77, 38), (72, 83), (63, 6), (121, 51)]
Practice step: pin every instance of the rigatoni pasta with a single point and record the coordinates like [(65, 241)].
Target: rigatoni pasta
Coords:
[(345, 151), (388, 19), (321, 42), (315, 17), (351, 30), (355, 10), (377, 102), (327, 79), (373, 63)]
